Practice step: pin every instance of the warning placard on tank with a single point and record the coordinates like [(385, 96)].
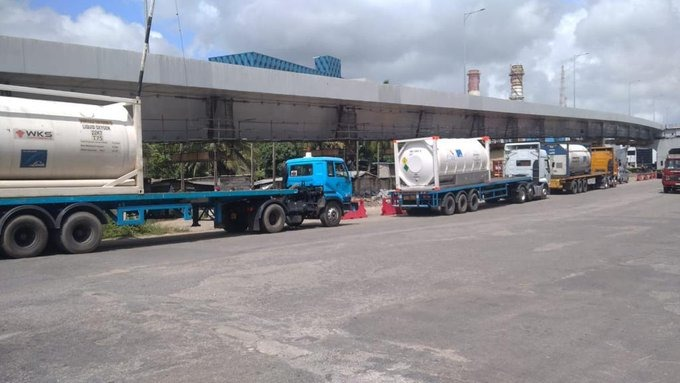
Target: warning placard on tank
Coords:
[(97, 136)]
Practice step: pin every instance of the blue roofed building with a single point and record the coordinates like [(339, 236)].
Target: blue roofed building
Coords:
[(324, 65)]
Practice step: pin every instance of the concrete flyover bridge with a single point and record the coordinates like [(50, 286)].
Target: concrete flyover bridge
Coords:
[(192, 100)]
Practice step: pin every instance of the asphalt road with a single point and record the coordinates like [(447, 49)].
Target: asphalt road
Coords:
[(576, 288)]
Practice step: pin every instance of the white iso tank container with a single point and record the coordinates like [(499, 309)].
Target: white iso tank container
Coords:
[(458, 161), (570, 160), (52, 144)]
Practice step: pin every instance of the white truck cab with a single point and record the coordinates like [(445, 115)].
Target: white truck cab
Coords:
[(528, 159)]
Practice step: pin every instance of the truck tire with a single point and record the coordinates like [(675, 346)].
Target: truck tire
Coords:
[(584, 185), (24, 236), (572, 187), (80, 233), (294, 220), (273, 218), (331, 214), (461, 202), (544, 191), (473, 201), (530, 192), (666, 189), (520, 194), (448, 204), (235, 220)]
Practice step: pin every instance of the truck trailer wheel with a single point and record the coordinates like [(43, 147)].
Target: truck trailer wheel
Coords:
[(473, 202), (573, 187), (273, 218), (461, 202), (331, 214), (448, 204), (24, 236), (80, 233)]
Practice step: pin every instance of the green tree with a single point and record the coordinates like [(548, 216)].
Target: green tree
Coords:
[(158, 161), (282, 151)]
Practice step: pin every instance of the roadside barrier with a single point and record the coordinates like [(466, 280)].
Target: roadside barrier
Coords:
[(389, 209), (360, 212), (645, 176)]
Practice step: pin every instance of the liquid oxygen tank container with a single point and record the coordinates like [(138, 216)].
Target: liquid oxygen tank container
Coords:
[(62, 144), (569, 159), (459, 161)]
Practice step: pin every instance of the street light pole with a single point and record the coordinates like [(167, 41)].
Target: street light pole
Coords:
[(465, 16), (574, 58)]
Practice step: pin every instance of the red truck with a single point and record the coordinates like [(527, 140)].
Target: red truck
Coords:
[(671, 171)]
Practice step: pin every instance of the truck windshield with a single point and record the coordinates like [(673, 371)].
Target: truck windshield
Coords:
[(673, 163)]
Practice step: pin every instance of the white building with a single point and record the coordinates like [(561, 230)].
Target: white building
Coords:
[(671, 139)]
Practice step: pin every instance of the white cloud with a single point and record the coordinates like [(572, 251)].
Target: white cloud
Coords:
[(418, 43), (92, 27)]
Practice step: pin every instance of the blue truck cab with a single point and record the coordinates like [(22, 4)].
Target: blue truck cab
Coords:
[(330, 174)]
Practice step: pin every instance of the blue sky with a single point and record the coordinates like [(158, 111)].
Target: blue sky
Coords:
[(129, 10)]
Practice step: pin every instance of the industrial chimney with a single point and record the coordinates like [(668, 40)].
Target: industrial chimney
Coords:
[(516, 85), (473, 82)]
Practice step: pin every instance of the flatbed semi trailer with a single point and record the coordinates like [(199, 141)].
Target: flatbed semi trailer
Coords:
[(464, 167), (76, 222), (461, 199), (67, 169)]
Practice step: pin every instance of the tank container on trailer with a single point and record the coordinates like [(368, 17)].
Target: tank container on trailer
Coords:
[(569, 159), (61, 144), (461, 161), (603, 160)]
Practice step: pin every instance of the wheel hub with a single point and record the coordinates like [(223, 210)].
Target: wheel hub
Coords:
[(24, 236)]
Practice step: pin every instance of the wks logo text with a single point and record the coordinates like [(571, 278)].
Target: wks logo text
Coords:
[(33, 134)]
